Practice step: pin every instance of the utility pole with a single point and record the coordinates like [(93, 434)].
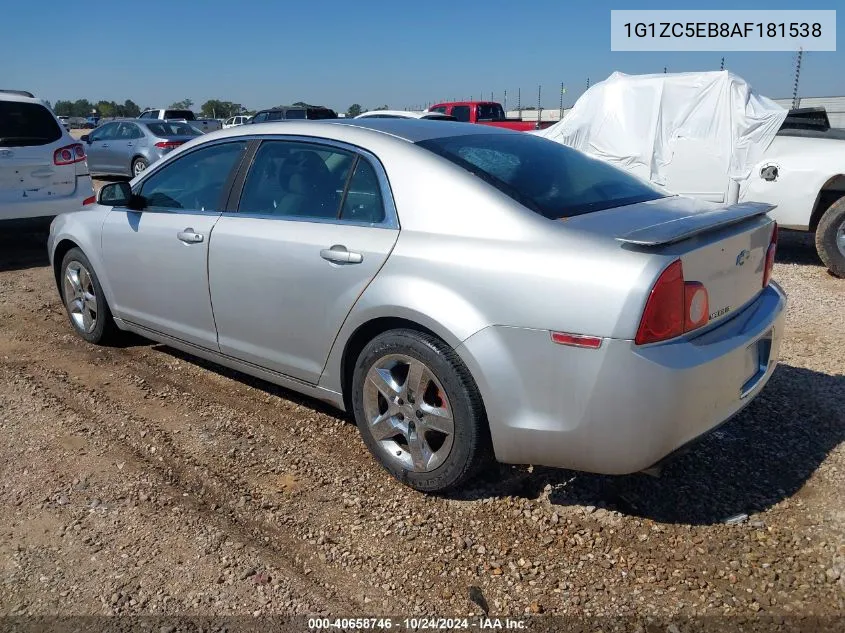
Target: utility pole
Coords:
[(795, 99), (562, 90)]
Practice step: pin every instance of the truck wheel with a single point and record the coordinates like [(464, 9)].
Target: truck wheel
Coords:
[(830, 238)]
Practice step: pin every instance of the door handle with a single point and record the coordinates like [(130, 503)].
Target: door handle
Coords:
[(129, 145), (105, 145), (189, 237), (338, 254)]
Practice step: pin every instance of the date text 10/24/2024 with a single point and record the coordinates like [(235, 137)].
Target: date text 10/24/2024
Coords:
[(417, 624)]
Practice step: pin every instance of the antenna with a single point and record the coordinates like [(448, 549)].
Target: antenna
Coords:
[(562, 90), (588, 83), (539, 106), (505, 102), (519, 101), (795, 99), (723, 64)]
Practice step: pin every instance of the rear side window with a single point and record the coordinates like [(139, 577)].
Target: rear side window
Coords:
[(490, 112), (549, 178), (27, 124), (461, 113), (295, 114)]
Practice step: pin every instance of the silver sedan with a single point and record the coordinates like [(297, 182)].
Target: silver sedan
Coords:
[(467, 293), (126, 148)]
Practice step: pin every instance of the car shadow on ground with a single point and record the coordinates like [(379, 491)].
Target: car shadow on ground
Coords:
[(797, 247), (763, 456), (23, 244)]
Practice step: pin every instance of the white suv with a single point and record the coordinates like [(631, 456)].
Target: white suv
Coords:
[(43, 171)]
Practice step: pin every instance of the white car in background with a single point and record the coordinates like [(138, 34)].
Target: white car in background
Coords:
[(404, 114), (234, 121), (43, 169)]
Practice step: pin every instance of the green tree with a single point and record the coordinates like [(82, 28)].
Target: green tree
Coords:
[(64, 108), (106, 109), (82, 107), (185, 104), (130, 108), (354, 110), (220, 109)]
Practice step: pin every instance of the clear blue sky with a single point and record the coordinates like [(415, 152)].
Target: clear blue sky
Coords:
[(341, 52)]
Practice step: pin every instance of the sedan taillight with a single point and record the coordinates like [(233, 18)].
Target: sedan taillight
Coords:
[(69, 154), (770, 256), (674, 306), (168, 144)]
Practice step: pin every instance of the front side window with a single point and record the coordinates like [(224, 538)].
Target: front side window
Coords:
[(549, 178), (104, 133), (195, 181), (27, 124), (461, 113), (293, 179)]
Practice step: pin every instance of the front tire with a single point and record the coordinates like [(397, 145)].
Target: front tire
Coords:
[(830, 238), (84, 300), (419, 411), (139, 165)]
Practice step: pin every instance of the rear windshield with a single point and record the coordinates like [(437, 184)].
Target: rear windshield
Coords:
[(172, 129), (490, 112), (549, 178), (321, 113), (188, 115), (26, 124)]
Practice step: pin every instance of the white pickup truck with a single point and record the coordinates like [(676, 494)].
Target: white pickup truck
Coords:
[(187, 116), (710, 136)]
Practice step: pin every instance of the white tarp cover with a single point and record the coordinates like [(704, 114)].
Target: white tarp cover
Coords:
[(634, 120)]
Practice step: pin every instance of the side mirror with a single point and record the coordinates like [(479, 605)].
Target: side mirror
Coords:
[(119, 194), (86, 138)]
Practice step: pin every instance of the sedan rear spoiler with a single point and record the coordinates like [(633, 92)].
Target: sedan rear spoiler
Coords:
[(693, 224)]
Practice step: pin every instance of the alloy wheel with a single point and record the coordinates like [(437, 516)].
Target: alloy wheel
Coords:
[(80, 297), (408, 412)]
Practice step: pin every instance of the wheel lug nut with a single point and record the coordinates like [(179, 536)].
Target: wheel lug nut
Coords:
[(400, 402), (419, 414)]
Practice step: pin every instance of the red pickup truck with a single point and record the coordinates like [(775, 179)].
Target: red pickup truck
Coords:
[(486, 113)]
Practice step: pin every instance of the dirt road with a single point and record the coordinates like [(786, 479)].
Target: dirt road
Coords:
[(136, 480)]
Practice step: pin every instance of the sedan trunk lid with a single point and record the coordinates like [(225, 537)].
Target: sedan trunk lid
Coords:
[(722, 247)]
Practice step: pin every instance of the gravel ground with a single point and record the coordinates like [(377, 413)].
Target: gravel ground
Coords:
[(136, 480)]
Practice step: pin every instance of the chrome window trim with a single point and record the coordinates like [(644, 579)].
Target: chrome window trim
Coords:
[(391, 216)]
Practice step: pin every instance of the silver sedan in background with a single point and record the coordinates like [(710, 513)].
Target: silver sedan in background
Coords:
[(466, 292), (126, 148)]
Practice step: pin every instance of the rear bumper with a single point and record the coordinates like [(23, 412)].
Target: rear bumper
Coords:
[(48, 207), (621, 408)]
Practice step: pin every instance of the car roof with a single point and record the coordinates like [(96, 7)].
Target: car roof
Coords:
[(411, 130)]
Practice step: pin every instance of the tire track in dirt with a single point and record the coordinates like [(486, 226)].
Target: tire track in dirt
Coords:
[(207, 490)]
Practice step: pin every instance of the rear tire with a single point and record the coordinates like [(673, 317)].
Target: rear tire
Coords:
[(419, 411), (830, 238), (139, 165), (84, 300)]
